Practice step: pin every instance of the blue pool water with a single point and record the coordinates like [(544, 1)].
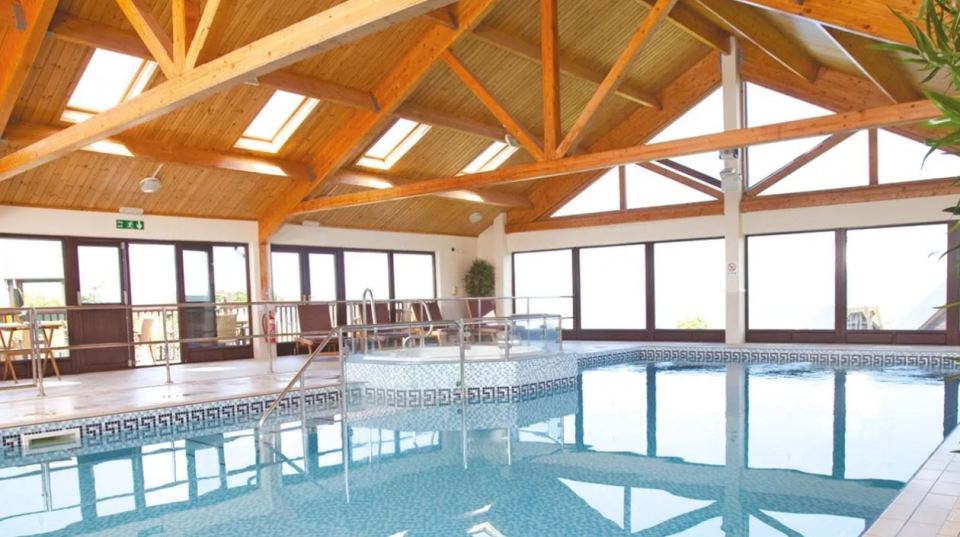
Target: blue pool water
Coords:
[(638, 449)]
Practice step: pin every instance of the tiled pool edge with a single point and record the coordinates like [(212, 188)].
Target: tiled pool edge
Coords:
[(929, 504)]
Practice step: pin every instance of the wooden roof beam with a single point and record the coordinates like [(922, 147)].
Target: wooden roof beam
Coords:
[(12, 15), (208, 33), (493, 105), (682, 179), (444, 16), (340, 24), (871, 18), (27, 133), (846, 122), (18, 50), (92, 34), (338, 148), (655, 17), (789, 168), (755, 27), (879, 66), (550, 76), (696, 25), (530, 51), (483, 196), (152, 34)]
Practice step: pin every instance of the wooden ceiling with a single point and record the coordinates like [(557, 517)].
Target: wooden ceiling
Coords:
[(592, 35)]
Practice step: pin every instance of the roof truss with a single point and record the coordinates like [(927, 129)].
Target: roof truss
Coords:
[(18, 50)]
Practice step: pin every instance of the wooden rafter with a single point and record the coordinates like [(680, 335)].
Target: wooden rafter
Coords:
[(682, 179), (18, 50), (877, 65), (96, 35), (340, 24), (12, 15), (690, 172), (209, 31), (640, 126), (756, 27), (914, 112), (530, 51), (550, 64), (655, 17), (696, 25), (646, 214), (444, 16), (483, 196), (493, 105), (872, 18), (858, 194), (791, 167), (27, 133), (154, 37), (342, 145), (178, 16)]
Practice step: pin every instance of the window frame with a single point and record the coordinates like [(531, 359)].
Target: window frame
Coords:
[(140, 80), (286, 130), (840, 333), (397, 152)]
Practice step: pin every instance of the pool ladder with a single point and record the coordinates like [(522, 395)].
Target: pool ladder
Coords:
[(300, 375)]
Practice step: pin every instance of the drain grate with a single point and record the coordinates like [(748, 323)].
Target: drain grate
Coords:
[(50, 440)]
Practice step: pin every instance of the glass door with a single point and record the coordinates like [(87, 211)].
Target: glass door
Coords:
[(153, 284), (211, 275), (97, 281), (302, 274)]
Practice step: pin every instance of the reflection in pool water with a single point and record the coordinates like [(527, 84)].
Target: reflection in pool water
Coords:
[(650, 450)]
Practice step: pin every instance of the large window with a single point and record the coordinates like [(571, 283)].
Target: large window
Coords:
[(31, 272), (603, 195), (367, 270), (545, 274), (613, 287), (413, 276), (791, 281), (896, 278), (690, 284), (108, 79)]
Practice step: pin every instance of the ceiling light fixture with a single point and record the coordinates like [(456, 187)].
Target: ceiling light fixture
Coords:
[(476, 218), (152, 183)]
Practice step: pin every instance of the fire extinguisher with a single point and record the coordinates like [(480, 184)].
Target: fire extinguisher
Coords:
[(268, 321)]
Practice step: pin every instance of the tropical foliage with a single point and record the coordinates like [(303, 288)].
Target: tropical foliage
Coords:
[(479, 280)]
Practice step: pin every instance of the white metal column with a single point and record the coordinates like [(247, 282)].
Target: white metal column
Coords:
[(732, 178)]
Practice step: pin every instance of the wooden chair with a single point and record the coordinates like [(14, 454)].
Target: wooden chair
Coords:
[(145, 334), (430, 313), (227, 327), (315, 324)]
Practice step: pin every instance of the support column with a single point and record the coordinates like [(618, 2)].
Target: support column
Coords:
[(732, 178)]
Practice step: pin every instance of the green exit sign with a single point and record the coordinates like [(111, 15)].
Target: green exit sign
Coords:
[(130, 224)]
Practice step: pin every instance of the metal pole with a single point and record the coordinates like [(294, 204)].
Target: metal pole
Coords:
[(35, 355), (166, 344), (463, 393), (344, 431)]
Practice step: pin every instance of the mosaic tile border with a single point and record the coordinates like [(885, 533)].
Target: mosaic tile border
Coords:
[(432, 397)]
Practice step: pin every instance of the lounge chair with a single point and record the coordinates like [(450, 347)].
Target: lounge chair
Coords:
[(315, 324)]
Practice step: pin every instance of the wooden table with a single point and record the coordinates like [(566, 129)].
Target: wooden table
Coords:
[(47, 330)]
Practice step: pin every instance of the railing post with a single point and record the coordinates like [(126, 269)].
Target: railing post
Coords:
[(34, 354), (166, 344)]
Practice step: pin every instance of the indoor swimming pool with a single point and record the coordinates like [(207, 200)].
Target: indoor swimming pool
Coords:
[(640, 448)]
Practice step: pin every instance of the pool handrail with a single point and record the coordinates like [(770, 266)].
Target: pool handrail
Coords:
[(299, 376)]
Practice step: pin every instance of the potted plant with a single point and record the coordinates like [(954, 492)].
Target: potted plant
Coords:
[(479, 282)]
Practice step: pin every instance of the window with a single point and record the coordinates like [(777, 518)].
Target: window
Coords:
[(690, 284), (389, 148), (613, 287), (413, 276), (545, 274), (285, 274), (902, 159), (367, 270), (153, 274), (100, 277), (646, 188), (31, 273), (845, 165), (276, 122), (109, 79), (601, 196), (492, 157), (896, 278), (230, 273), (791, 281), (704, 118)]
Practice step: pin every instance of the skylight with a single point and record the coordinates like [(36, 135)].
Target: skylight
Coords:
[(109, 79), (399, 138), (276, 122), (491, 158)]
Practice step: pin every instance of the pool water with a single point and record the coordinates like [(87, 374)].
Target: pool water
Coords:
[(638, 449)]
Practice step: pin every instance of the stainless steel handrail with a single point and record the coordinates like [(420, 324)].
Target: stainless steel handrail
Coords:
[(298, 376)]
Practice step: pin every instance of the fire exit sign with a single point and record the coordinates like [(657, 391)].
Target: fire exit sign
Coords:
[(130, 224)]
